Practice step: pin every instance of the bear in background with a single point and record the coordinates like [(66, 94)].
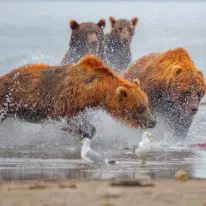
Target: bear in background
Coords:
[(39, 92), (117, 43), (86, 38), (174, 87)]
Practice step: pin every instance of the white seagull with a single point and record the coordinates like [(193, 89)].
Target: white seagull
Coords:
[(144, 147), (90, 155)]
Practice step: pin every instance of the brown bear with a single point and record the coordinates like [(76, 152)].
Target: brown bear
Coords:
[(38, 92), (86, 38), (117, 43), (173, 84)]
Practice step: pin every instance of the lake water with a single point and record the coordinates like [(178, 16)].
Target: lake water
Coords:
[(32, 32)]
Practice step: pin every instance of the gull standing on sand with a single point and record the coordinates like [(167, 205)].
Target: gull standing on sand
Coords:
[(90, 155), (144, 147)]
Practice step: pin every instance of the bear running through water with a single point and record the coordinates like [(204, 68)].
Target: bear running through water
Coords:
[(174, 87), (39, 92), (86, 38), (117, 52)]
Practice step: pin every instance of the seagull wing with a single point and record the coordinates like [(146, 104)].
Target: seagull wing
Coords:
[(94, 156), (142, 148), (141, 144)]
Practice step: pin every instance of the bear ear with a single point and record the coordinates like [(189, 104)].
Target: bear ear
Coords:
[(134, 21), (73, 24), (101, 23), (137, 82), (112, 20), (121, 93)]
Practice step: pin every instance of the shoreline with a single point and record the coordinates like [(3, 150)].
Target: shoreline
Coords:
[(101, 192)]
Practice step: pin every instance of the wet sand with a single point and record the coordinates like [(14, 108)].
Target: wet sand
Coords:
[(56, 193)]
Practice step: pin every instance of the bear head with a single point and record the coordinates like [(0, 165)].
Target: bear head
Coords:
[(123, 29), (131, 106), (87, 37), (185, 90), (122, 99)]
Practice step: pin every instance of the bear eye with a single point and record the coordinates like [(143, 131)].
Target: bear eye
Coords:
[(130, 30), (120, 28), (199, 95), (141, 109), (184, 95)]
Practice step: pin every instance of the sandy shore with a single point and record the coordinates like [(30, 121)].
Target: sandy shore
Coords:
[(55, 193)]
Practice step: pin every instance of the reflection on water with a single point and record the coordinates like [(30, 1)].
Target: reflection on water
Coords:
[(160, 164)]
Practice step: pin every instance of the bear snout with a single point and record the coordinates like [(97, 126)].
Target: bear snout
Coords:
[(194, 111), (148, 123), (94, 44), (93, 47), (147, 120), (92, 41), (151, 124), (125, 37)]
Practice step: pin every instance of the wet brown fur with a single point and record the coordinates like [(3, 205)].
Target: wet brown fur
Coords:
[(118, 41), (156, 71), (38, 92), (167, 77), (78, 44)]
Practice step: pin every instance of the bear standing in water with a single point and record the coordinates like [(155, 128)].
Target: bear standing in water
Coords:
[(86, 38), (38, 92), (174, 87), (117, 43)]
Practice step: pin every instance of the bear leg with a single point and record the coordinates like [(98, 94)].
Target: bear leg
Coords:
[(80, 126)]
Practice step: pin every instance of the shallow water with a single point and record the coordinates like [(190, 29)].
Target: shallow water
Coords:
[(46, 152), (160, 164), (32, 32)]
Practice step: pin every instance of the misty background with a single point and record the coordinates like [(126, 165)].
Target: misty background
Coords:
[(35, 31)]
